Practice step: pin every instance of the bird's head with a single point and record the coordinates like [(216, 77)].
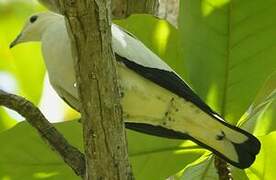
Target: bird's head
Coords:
[(34, 27)]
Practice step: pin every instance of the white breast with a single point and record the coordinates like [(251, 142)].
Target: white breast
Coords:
[(56, 51)]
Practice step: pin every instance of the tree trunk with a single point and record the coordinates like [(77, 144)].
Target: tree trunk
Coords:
[(89, 26)]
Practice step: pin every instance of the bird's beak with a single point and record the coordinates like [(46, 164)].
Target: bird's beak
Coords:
[(14, 42)]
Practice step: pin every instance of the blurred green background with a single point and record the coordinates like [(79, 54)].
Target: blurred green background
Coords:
[(22, 69), (226, 50)]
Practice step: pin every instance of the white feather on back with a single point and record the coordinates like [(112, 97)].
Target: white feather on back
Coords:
[(135, 51)]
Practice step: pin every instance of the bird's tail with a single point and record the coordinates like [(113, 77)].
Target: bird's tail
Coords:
[(209, 130), (231, 143), (154, 110)]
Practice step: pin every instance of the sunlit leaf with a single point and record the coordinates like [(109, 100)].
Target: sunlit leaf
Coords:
[(238, 173), (264, 166), (158, 158), (204, 169), (260, 117), (229, 48), (201, 169)]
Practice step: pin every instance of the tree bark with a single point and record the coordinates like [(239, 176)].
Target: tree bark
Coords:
[(89, 26), (120, 8), (125, 8), (164, 9), (169, 10)]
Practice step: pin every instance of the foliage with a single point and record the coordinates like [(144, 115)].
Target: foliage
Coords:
[(225, 49), (34, 159), (23, 65)]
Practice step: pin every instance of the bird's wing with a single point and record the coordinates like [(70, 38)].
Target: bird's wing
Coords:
[(137, 57)]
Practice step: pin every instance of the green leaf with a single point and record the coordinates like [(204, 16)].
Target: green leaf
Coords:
[(148, 154), (204, 169), (264, 166), (229, 48), (23, 155), (238, 173), (151, 157), (201, 169), (261, 115)]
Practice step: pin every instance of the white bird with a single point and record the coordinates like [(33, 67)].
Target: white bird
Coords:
[(155, 100)]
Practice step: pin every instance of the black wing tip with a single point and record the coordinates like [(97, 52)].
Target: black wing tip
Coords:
[(245, 162), (247, 152), (254, 144)]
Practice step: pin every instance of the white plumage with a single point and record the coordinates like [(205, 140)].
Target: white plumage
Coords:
[(155, 99)]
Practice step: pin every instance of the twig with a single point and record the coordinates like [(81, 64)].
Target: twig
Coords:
[(222, 169), (70, 154)]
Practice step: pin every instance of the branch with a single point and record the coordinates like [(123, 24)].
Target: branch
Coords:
[(120, 8), (169, 10), (71, 155), (124, 8), (163, 9), (222, 169), (89, 27)]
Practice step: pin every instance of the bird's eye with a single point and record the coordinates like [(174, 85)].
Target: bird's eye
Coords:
[(33, 19)]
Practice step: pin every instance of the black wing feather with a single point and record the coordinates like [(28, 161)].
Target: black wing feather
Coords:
[(168, 80)]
